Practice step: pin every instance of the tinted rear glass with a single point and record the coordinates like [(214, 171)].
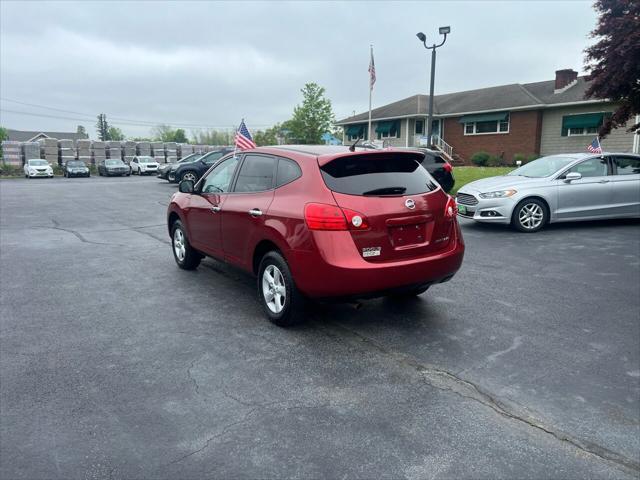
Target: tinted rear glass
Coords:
[(378, 175)]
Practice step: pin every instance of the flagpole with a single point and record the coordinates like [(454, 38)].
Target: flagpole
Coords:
[(370, 92), (599, 145), (235, 144)]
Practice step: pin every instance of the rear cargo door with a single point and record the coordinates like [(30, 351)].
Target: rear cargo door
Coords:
[(398, 199)]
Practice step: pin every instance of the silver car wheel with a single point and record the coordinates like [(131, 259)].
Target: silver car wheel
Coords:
[(189, 176), (531, 216), (273, 288), (179, 246)]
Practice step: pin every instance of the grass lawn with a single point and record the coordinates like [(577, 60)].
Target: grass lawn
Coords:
[(464, 175)]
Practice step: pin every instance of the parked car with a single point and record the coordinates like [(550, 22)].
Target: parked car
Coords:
[(320, 222), (143, 165), (113, 166), (167, 170), (557, 188), (194, 170), (76, 168), (37, 168), (439, 168)]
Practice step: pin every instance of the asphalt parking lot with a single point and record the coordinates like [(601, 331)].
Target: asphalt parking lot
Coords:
[(114, 363)]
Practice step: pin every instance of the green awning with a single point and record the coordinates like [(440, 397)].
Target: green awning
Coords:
[(388, 127), (355, 130), (586, 120), (485, 117)]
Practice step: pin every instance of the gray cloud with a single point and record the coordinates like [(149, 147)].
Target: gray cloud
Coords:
[(210, 63)]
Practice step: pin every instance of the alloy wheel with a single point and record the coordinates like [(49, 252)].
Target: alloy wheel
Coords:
[(179, 246), (273, 289), (189, 176), (530, 216)]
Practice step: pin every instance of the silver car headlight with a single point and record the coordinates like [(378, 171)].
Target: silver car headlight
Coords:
[(499, 194)]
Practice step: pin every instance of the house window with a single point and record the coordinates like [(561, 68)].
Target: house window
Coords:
[(486, 124), (583, 124), (419, 127), (355, 132), (388, 129)]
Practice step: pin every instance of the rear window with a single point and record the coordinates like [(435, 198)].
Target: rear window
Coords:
[(375, 175)]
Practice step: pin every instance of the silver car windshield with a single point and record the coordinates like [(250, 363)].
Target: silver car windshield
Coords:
[(542, 167)]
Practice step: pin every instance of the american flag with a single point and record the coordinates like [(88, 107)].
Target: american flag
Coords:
[(244, 140), (372, 71), (595, 147)]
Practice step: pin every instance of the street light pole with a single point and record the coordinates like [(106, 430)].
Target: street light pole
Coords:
[(423, 38)]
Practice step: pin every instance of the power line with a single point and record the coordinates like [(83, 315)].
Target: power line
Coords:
[(119, 120)]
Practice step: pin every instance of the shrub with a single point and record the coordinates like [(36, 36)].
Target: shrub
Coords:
[(519, 157), (7, 170), (494, 161), (480, 159)]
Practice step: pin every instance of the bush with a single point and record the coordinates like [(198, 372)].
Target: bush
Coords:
[(494, 161), (480, 159), (7, 170), (519, 157)]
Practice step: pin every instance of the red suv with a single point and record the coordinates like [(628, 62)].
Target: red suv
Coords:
[(320, 222)]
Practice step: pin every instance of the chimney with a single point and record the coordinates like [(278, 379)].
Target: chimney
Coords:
[(565, 78)]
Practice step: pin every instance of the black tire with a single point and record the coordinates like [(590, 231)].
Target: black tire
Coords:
[(292, 310), (194, 173), (530, 215), (192, 257)]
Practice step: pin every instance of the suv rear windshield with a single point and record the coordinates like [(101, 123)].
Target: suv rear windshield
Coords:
[(377, 175)]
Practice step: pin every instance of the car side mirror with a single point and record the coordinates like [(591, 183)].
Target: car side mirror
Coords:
[(186, 186), (569, 177)]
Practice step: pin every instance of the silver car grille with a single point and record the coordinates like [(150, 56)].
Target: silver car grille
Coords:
[(466, 199)]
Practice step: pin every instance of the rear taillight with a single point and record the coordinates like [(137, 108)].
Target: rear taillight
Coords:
[(320, 216), (450, 208), (448, 167)]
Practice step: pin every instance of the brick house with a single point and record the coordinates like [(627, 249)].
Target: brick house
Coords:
[(538, 118)]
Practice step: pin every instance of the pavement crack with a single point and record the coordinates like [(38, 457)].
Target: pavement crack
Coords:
[(191, 377), (206, 444), (446, 381), (77, 234)]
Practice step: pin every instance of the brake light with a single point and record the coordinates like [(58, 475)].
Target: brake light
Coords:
[(448, 167), (324, 217), (320, 216), (450, 208)]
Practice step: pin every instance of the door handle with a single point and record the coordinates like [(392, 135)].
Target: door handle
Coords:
[(216, 209), (255, 212), (603, 181)]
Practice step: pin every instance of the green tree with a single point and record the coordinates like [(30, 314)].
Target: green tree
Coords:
[(613, 62), (212, 137), (81, 130), (163, 133), (3, 136), (179, 136), (115, 133), (268, 136), (313, 117), (102, 127)]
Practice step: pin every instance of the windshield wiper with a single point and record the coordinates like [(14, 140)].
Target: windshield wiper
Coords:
[(386, 191)]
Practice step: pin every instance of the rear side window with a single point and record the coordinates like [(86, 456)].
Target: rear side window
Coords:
[(256, 174), (377, 175), (288, 171), (627, 165)]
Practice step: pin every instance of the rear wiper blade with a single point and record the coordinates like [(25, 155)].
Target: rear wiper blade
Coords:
[(386, 191)]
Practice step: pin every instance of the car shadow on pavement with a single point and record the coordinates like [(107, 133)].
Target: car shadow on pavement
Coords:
[(472, 226)]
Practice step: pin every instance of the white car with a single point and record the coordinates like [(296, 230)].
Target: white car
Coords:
[(141, 165), (37, 168)]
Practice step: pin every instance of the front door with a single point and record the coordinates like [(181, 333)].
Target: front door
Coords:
[(203, 216), (245, 209), (588, 197)]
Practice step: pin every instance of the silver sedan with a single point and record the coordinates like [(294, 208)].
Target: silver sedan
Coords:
[(557, 188)]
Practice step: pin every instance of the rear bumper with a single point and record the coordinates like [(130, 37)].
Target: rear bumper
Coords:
[(338, 270)]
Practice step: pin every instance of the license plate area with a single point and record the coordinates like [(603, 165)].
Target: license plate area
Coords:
[(462, 209), (410, 236)]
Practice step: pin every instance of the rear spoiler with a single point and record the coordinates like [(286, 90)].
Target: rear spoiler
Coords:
[(373, 155)]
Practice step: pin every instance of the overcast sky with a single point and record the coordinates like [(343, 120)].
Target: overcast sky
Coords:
[(211, 63)]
